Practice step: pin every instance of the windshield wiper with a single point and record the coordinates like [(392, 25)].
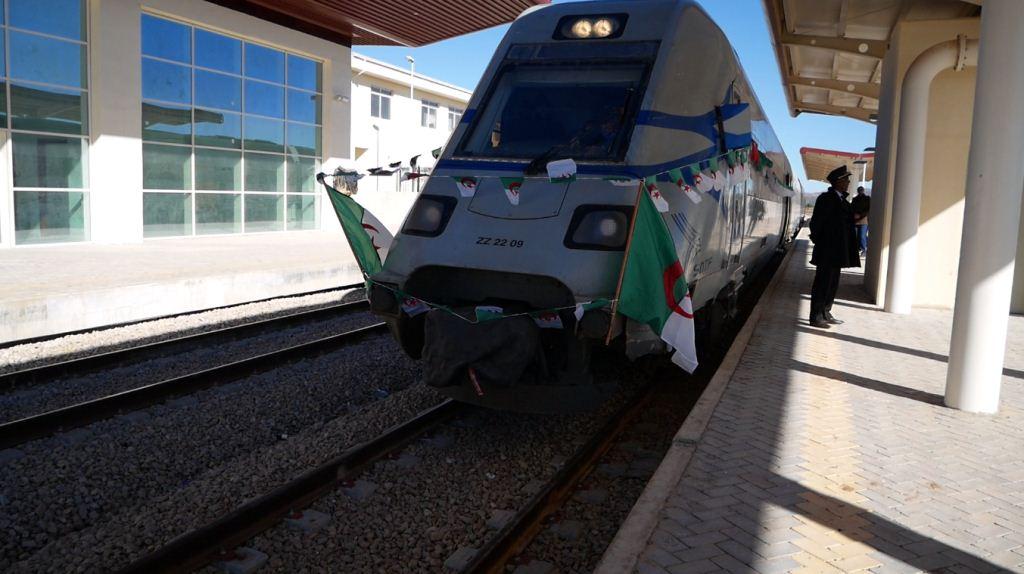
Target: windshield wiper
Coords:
[(540, 162)]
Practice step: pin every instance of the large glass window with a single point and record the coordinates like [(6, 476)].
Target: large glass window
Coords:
[(454, 117), (232, 133), (45, 103)]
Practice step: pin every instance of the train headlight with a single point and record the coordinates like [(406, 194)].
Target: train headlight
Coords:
[(603, 28), (582, 28), (599, 227), (596, 26), (429, 215)]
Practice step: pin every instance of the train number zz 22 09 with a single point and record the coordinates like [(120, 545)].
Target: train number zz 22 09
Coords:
[(499, 242)]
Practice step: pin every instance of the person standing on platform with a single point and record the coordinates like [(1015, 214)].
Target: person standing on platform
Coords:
[(861, 207), (835, 245)]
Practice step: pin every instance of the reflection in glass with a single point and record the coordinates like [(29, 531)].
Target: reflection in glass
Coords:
[(303, 139), (218, 52), (166, 167), (166, 39), (302, 174), (166, 123), (49, 161), (56, 17), (264, 63), (166, 214), (218, 170), (218, 129), (263, 134), (47, 60), (301, 212), (264, 212), (303, 73), (167, 82), (303, 107), (218, 91), (43, 109), (264, 172), (218, 213), (50, 216), (3, 105), (264, 99)]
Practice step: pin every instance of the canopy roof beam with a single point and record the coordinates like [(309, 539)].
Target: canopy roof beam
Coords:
[(855, 113), (869, 48), (863, 89)]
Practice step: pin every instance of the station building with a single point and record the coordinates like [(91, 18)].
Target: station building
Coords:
[(159, 156), (125, 121)]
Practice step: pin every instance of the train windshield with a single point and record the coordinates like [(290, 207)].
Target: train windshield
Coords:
[(582, 112)]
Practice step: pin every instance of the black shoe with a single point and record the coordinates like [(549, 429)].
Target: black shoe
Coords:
[(820, 323), (832, 320)]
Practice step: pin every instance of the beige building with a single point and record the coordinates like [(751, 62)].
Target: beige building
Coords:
[(944, 82)]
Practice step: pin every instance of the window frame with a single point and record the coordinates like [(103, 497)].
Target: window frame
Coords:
[(380, 96), (428, 111)]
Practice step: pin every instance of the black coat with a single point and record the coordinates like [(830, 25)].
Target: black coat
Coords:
[(833, 232)]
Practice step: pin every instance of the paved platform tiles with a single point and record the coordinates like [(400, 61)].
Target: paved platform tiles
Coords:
[(830, 452), (58, 288)]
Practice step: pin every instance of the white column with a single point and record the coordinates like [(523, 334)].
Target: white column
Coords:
[(995, 179), (906, 192)]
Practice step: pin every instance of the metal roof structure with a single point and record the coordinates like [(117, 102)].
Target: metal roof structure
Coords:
[(819, 162), (384, 22), (830, 51)]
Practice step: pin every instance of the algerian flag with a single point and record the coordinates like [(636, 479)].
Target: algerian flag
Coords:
[(582, 308), (654, 291), (651, 185), (366, 235), (413, 306), (466, 185), (488, 313), (548, 320), (700, 180), (561, 171), (512, 185)]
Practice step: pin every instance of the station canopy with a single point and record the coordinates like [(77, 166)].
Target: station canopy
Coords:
[(819, 162), (830, 51), (384, 22)]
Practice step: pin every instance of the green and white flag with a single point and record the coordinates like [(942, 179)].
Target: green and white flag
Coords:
[(512, 185), (366, 235), (467, 185), (654, 291)]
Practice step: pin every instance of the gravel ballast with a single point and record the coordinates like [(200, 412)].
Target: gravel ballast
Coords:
[(93, 498)]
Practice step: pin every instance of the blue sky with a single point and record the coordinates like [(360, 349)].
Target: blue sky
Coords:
[(462, 60)]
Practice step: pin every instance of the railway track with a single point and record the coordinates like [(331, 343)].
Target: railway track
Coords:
[(199, 547), (46, 373), (19, 431)]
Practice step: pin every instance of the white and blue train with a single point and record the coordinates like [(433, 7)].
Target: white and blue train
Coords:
[(626, 90)]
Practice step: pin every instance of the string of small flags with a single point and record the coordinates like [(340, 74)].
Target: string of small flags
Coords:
[(544, 318)]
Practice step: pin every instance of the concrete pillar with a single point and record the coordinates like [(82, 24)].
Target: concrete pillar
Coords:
[(995, 180), (906, 201), (878, 221)]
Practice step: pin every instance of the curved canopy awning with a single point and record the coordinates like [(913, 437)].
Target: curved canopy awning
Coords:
[(384, 22), (819, 162), (830, 51)]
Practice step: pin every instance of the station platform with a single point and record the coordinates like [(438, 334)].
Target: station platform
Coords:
[(831, 451), (61, 288)]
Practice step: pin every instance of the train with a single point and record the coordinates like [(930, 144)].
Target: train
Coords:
[(625, 92)]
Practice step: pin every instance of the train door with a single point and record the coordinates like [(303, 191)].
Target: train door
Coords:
[(737, 202)]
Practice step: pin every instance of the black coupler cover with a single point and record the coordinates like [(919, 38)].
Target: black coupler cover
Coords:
[(499, 350)]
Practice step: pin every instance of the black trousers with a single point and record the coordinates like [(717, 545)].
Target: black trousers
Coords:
[(823, 290)]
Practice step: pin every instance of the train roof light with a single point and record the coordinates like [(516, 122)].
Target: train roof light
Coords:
[(592, 27)]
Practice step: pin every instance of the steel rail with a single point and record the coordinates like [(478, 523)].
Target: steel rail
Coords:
[(44, 338), (47, 373), (23, 430), (520, 531), (199, 547)]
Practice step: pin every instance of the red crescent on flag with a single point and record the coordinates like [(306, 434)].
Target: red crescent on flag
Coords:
[(373, 238), (669, 277)]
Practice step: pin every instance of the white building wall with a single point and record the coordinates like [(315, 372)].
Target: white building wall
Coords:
[(401, 136)]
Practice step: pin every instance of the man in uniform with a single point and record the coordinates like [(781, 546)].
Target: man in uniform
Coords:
[(835, 245)]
